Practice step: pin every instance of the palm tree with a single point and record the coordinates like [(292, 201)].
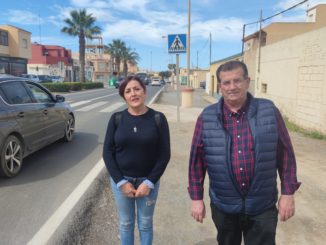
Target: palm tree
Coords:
[(129, 57), (116, 50), (82, 25)]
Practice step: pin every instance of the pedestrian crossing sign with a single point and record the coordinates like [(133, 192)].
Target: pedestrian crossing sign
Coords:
[(177, 43)]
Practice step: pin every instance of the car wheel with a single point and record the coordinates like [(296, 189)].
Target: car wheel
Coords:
[(70, 129), (11, 157)]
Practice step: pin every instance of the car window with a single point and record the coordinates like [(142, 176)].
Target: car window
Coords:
[(15, 93), (40, 95)]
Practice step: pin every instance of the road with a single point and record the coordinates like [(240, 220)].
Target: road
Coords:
[(49, 176)]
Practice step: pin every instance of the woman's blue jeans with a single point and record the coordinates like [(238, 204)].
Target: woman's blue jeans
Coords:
[(127, 213)]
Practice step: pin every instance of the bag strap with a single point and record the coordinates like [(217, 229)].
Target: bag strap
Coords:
[(117, 118), (157, 119)]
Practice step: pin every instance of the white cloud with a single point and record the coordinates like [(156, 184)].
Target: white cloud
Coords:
[(140, 32), (221, 29), (26, 17), (129, 5)]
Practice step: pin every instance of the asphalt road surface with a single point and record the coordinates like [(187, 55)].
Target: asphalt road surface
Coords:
[(50, 175)]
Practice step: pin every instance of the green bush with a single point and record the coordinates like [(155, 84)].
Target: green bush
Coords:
[(310, 133), (75, 86), (92, 85), (57, 87), (71, 86)]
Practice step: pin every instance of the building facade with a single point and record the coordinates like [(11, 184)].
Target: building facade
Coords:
[(289, 67), (15, 50), (51, 60)]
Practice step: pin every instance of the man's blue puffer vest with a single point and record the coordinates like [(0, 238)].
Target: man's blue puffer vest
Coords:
[(223, 190)]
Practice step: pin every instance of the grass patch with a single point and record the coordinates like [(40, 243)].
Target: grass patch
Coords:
[(310, 133)]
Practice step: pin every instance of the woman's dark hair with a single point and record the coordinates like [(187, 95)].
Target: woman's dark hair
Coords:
[(231, 65), (123, 85)]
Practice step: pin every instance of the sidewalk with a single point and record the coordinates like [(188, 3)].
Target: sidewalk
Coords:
[(172, 221)]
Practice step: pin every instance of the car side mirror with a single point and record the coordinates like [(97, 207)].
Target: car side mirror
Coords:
[(59, 98)]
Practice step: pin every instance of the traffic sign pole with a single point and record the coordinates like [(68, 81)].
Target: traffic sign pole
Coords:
[(178, 88)]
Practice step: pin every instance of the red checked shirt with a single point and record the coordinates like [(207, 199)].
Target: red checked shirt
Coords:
[(242, 154)]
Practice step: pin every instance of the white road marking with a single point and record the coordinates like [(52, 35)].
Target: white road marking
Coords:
[(52, 224), (92, 106), (112, 107), (80, 103)]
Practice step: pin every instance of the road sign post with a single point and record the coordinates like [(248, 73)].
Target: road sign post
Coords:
[(177, 44)]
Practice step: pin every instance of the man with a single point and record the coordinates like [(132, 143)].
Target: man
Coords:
[(241, 142)]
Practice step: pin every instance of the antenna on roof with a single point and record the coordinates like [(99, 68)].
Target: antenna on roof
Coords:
[(39, 28)]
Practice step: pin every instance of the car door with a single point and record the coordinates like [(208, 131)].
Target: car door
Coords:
[(54, 117), (27, 114)]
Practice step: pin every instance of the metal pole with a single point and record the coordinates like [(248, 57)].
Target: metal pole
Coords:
[(243, 36), (188, 46), (259, 43), (151, 60), (178, 87), (197, 60), (210, 49)]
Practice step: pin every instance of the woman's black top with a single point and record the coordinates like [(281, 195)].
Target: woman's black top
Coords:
[(137, 147)]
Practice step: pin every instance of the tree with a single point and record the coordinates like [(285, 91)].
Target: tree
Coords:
[(165, 74), (116, 50), (82, 25), (129, 57)]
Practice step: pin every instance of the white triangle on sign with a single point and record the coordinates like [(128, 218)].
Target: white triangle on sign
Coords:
[(177, 44)]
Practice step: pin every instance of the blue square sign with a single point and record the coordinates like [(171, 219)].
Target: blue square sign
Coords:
[(177, 43)]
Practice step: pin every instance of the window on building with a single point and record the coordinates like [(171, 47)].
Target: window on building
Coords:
[(17, 69), (4, 38), (264, 88), (4, 67), (25, 44)]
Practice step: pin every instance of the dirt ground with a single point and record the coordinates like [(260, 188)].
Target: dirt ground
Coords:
[(308, 226)]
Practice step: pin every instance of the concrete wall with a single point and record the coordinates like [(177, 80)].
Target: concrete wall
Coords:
[(293, 75)]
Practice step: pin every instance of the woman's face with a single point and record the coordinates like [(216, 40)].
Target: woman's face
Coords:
[(134, 94)]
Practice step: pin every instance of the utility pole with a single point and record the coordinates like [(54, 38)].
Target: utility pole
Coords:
[(259, 43), (197, 60), (210, 49), (188, 47), (151, 60)]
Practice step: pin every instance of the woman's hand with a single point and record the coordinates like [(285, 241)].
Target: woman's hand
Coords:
[(142, 190), (128, 190)]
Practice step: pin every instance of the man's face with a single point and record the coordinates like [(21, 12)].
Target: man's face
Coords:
[(234, 87)]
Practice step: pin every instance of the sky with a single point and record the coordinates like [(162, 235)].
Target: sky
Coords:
[(144, 25)]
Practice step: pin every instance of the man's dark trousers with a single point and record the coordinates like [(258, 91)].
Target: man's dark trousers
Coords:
[(256, 229)]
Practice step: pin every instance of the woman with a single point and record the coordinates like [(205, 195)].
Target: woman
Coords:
[(136, 152)]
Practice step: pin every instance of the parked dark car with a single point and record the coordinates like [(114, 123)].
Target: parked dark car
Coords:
[(119, 81), (30, 118), (144, 78), (45, 79), (202, 84)]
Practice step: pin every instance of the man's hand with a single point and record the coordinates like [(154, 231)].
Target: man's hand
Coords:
[(286, 207), (198, 210), (142, 190), (128, 190)]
